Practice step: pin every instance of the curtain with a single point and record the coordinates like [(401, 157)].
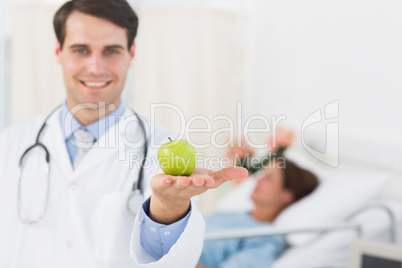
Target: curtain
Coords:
[(3, 69), (36, 79), (190, 57)]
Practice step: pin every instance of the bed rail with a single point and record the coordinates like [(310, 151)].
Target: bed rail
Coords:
[(388, 211), (269, 231)]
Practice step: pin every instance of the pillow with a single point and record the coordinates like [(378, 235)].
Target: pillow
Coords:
[(344, 191), (238, 199)]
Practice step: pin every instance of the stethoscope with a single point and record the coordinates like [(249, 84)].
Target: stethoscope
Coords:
[(134, 201)]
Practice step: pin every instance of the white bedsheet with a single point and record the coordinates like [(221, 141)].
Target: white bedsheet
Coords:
[(332, 249)]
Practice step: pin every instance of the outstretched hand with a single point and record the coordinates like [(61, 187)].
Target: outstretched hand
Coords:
[(171, 194), (283, 138)]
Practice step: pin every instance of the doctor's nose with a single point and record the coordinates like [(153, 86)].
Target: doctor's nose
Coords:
[(96, 65)]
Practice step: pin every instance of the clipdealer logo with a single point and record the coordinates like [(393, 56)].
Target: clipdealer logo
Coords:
[(126, 136), (330, 155)]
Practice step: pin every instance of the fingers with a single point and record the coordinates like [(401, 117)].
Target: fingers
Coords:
[(198, 185), (181, 186), (161, 181), (203, 171), (178, 187), (229, 173)]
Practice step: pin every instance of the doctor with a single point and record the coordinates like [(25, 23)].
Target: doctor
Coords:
[(79, 216)]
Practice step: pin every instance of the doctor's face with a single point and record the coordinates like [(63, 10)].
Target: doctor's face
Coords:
[(95, 60)]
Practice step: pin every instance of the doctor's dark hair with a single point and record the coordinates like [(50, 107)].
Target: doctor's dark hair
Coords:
[(118, 12), (300, 182)]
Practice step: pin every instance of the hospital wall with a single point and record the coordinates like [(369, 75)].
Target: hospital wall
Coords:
[(307, 54), (304, 55), (240, 59)]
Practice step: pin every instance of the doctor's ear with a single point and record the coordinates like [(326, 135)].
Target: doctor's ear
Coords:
[(132, 52), (57, 52)]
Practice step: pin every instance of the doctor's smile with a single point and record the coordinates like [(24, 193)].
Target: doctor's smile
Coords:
[(95, 85)]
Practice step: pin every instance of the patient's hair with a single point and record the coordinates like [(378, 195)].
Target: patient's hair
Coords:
[(299, 181), (118, 12)]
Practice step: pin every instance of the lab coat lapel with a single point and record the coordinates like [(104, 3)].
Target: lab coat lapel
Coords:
[(52, 138), (111, 144)]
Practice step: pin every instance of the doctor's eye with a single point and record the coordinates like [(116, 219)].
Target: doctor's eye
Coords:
[(111, 51), (81, 51)]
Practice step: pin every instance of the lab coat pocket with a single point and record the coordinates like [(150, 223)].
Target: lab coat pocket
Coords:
[(113, 225)]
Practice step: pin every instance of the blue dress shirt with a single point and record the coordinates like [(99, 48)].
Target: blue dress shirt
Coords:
[(156, 238), (69, 124)]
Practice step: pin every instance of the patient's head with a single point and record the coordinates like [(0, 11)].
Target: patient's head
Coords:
[(281, 184)]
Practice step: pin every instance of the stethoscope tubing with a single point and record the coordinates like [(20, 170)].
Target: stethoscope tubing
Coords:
[(136, 194)]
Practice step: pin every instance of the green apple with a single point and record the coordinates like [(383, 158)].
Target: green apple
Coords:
[(177, 158)]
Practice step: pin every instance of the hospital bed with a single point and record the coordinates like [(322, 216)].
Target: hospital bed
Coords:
[(355, 200), (331, 247)]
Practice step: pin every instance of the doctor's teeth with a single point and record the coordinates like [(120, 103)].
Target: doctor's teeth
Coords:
[(95, 84)]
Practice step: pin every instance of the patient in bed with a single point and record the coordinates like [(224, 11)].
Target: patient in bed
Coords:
[(280, 184)]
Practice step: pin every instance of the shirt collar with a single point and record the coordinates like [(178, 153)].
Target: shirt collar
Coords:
[(69, 124)]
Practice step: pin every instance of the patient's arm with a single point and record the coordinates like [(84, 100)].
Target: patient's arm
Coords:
[(236, 153), (200, 266)]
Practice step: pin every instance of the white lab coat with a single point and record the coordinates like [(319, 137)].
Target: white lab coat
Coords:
[(86, 222)]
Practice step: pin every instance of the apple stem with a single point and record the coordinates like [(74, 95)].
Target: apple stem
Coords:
[(170, 139)]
